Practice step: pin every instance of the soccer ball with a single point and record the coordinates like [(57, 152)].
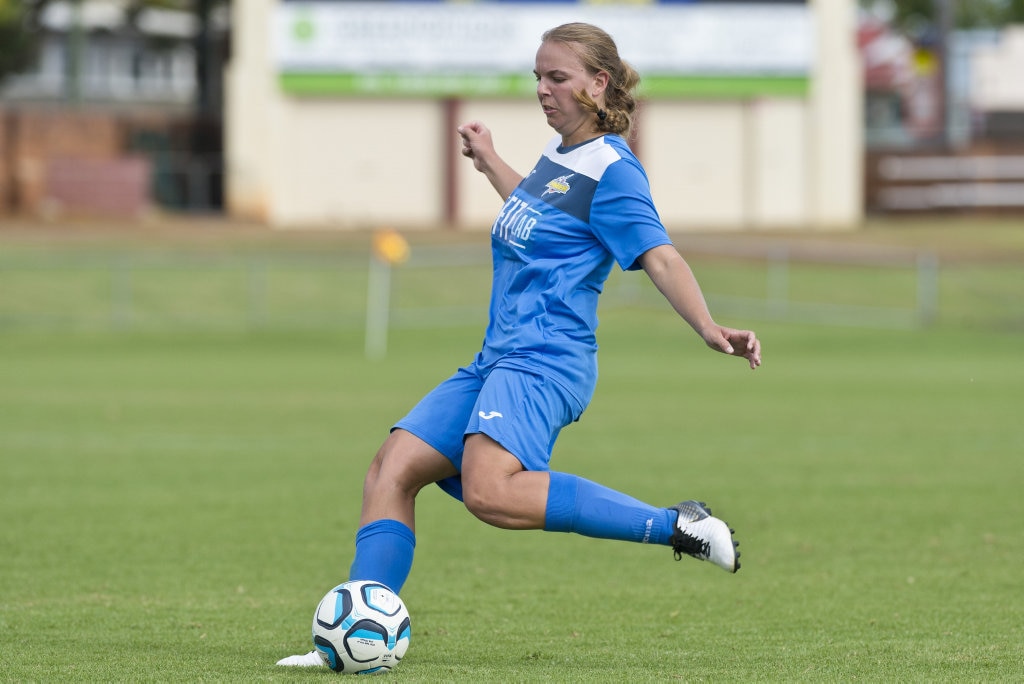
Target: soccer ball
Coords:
[(361, 627)]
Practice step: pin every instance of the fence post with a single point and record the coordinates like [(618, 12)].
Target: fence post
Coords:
[(378, 303), (388, 250), (257, 293), (778, 281), (121, 293), (927, 288)]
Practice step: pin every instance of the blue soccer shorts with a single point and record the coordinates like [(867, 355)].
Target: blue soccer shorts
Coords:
[(520, 410)]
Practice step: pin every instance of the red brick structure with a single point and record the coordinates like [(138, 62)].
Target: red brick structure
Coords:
[(67, 162)]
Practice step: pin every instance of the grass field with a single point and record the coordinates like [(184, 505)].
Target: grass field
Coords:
[(174, 504)]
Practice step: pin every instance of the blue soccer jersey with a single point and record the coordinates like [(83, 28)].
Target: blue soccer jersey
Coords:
[(579, 210)]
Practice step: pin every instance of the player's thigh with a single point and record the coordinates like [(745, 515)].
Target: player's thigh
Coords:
[(498, 489), (487, 462), (523, 412), (439, 418)]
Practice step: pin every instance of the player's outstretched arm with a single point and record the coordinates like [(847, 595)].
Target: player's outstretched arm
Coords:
[(675, 280), (478, 146)]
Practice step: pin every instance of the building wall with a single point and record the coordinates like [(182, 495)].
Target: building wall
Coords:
[(694, 155), (714, 165), (835, 128), (62, 161), (54, 161), (779, 193), (519, 133), (996, 71), (6, 190)]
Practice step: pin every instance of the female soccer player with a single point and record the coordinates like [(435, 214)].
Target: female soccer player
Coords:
[(485, 435)]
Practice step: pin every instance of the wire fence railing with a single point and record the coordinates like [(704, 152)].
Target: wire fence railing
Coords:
[(450, 285)]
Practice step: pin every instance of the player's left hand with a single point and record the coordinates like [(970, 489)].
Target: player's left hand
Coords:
[(736, 343)]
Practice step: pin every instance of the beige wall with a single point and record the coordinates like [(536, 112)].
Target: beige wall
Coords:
[(835, 129), (250, 100), (519, 132), (356, 163), (778, 194), (694, 154), (713, 165)]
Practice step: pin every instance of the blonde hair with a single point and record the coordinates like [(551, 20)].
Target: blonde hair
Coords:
[(598, 52)]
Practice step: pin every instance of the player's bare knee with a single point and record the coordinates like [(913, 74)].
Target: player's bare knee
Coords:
[(373, 472), (386, 472), (484, 504), (404, 466), (482, 509)]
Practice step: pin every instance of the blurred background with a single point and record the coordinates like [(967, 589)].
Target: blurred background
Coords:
[(764, 114), (112, 109), (193, 315), (824, 159)]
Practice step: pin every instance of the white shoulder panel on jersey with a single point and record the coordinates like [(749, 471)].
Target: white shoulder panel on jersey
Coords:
[(589, 159)]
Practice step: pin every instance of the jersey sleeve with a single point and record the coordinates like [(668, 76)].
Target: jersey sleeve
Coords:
[(623, 216)]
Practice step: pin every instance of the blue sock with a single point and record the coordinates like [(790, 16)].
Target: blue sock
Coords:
[(383, 553), (587, 508)]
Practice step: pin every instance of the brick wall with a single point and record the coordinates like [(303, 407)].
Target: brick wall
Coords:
[(68, 162), (5, 185), (98, 187)]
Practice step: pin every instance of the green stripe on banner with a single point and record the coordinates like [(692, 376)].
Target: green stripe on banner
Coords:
[(499, 85), (723, 86), (406, 84)]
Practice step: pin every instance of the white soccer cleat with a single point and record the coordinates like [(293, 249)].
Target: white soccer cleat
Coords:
[(704, 537), (311, 659)]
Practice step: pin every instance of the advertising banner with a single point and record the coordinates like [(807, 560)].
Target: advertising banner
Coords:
[(449, 49)]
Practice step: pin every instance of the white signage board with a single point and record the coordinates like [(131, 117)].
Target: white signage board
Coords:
[(463, 49)]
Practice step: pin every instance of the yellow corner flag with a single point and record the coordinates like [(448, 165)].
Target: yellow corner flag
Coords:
[(390, 247)]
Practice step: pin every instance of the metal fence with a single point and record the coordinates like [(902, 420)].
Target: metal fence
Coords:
[(438, 286)]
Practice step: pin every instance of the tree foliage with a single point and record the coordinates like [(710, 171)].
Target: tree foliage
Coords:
[(913, 16), (21, 23), (17, 43)]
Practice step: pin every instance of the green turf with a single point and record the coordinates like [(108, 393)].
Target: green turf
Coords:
[(185, 419), (174, 505)]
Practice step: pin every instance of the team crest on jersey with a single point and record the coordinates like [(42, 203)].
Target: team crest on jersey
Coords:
[(559, 185)]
